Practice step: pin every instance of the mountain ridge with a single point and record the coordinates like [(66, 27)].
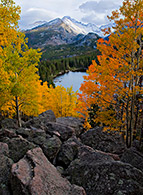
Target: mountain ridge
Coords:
[(60, 31), (81, 28), (66, 37)]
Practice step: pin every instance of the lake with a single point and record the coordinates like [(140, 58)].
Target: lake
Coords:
[(69, 79)]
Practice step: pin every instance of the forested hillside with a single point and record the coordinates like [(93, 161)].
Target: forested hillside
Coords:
[(57, 58), (48, 69)]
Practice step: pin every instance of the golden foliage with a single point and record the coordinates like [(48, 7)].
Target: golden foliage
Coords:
[(61, 101), (19, 81), (20, 87)]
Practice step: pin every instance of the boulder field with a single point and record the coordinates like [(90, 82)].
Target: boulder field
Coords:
[(56, 156)]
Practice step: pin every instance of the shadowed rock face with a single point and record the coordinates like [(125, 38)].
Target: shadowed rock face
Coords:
[(9, 123), (97, 139), (75, 123), (41, 120), (18, 146), (133, 157), (51, 147), (49, 144), (69, 151), (5, 166), (99, 173), (34, 174), (63, 131)]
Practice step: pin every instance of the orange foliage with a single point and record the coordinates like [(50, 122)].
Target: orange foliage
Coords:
[(113, 84)]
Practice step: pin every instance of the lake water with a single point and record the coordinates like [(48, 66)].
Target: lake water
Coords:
[(69, 79)]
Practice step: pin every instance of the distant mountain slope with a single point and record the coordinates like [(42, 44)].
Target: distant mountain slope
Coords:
[(61, 31), (55, 32), (65, 37), (83, 45), (33, 25)]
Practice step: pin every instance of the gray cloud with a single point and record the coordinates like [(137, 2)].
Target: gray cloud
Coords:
[(99, 7), (96, 12), (35, 14), (95, 19), (88, 11)]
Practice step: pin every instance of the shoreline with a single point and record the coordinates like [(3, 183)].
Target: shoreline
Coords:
[(72, 70)]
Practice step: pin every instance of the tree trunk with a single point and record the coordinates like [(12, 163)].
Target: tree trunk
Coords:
[(131, 122), (17, 112), (141, 134), (127, 124), (136, 116)]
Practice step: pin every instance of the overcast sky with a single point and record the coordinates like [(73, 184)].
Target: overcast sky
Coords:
[(87, 11)]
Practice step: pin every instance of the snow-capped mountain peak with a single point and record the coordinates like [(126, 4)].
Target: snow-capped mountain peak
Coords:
[(72, 25), (76, 29), (64, 31), (80, 27), (54, 22)]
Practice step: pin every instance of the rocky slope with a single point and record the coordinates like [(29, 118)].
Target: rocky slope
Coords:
[(61, 31), (50, 156), (52, 33), (66, 36)]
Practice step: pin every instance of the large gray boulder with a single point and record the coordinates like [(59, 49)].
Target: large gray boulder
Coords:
[(51, 147), (7, 133), (49, 115), (9, 123), (99, 174), (49, 144), (30, 133), (75, 123), (100, 140), (41, 120), (133, 157), (62, 131), (5, 167), (34, 174), (18, 147), (68, 151)]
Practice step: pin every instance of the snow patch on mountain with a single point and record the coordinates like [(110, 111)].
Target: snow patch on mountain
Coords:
[(81, 27), (76, 29), (56, 21), (75, 26), (35, 24)]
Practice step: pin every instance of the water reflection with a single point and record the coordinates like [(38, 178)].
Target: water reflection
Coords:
[(69, 79)]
